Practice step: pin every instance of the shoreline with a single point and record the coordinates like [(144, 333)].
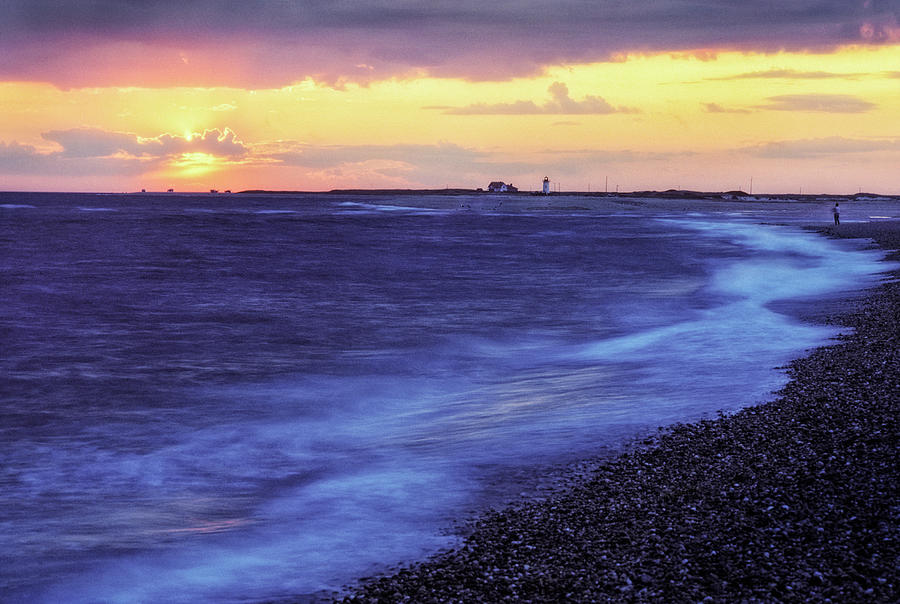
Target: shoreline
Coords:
[(790, 500)]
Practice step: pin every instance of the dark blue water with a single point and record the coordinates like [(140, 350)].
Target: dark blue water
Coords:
[(224, 398)]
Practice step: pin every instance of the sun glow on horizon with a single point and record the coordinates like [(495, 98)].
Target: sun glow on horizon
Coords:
[(194, 164), (705, 120)]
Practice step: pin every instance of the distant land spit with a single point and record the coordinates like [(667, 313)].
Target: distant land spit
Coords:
[(668, 194)]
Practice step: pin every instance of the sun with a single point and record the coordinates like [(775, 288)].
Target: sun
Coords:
[(196, 164)]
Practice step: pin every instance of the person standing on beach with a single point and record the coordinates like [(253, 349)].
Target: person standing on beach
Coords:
[(836, 210)]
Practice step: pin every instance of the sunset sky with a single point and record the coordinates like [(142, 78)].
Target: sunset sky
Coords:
[(119, 95)]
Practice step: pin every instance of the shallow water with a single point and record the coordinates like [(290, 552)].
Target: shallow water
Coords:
[(229, 398)]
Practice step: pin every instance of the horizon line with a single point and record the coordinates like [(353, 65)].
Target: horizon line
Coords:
[(674, 193)]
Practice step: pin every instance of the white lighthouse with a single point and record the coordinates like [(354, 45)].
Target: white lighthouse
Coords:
[(546, 189)]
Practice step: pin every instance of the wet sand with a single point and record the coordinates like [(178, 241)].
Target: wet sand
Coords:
[(794, 500)]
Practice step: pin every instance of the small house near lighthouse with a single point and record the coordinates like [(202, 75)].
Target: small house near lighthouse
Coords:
[(501, 187)]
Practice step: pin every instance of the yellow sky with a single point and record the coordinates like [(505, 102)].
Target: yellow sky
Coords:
[(824, 122)]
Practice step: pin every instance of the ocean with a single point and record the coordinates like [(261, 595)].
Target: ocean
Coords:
[(233, 398)]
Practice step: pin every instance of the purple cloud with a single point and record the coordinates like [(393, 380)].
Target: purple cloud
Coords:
[(560, 104), (790, 74), (164, 42), (14, 155), (20, 159), (91, 151), (825, 103), (716, 108), (93, 142), (819, 147)]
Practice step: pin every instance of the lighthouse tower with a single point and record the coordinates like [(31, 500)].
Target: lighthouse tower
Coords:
[(546, 190)]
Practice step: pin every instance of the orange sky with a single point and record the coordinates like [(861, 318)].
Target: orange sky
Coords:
[(123, 113)]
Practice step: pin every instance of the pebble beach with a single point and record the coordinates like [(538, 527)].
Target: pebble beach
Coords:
[(794, 500)]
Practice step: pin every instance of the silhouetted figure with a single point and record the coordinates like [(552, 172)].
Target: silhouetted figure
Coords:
[(836, 210)]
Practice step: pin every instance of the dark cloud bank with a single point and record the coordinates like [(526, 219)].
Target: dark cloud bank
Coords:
[(279, 42)]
